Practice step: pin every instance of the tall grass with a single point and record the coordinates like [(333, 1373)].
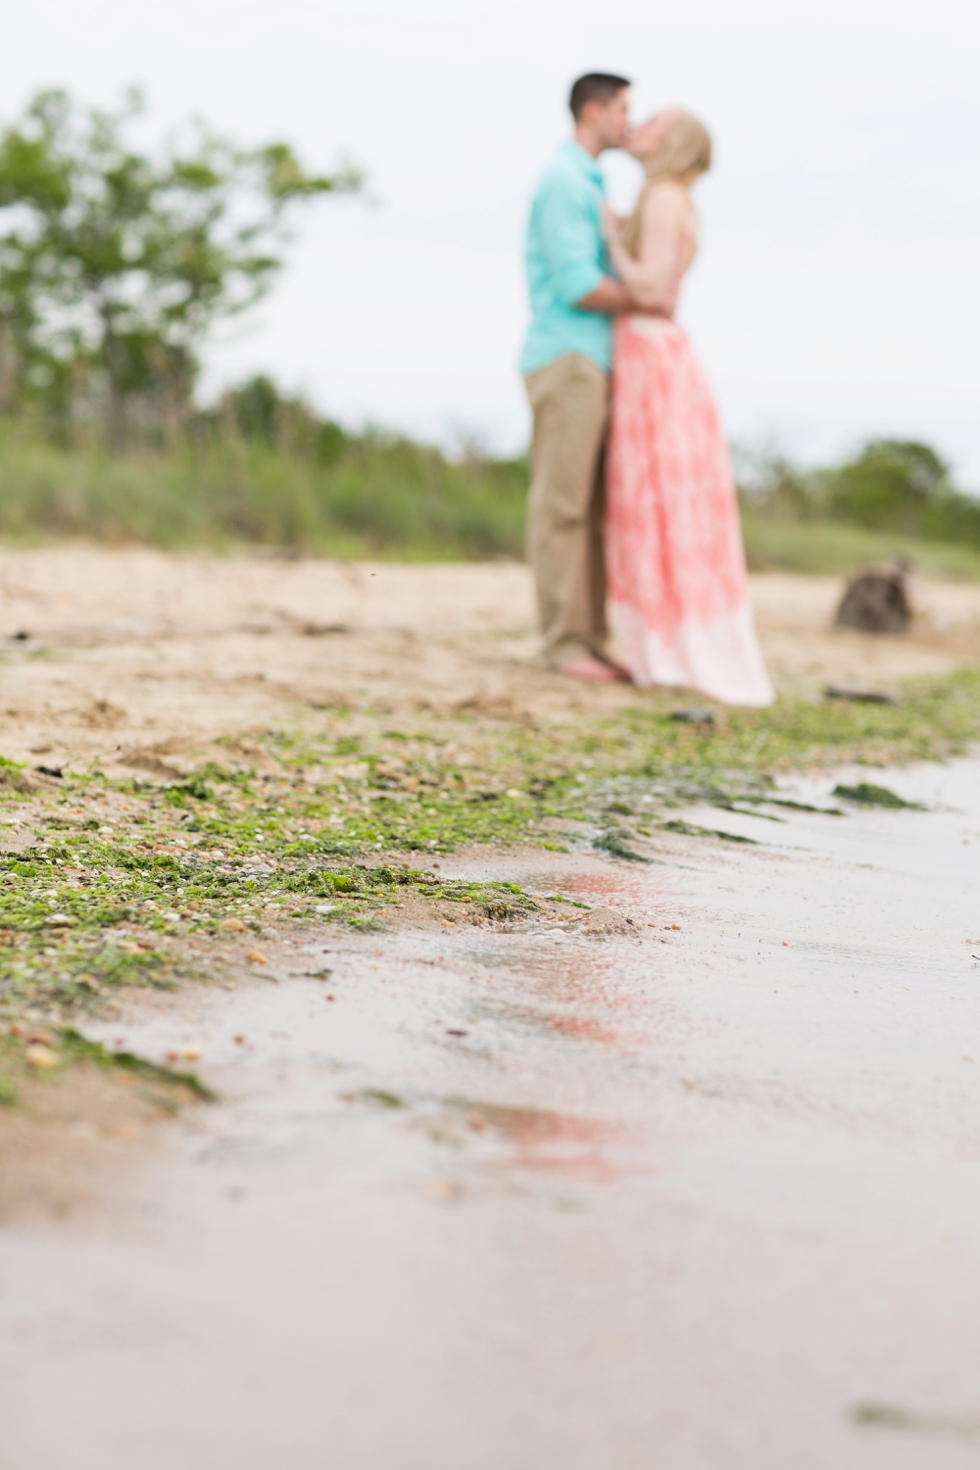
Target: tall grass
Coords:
[(298, 484), (379, 496), (831, 548)]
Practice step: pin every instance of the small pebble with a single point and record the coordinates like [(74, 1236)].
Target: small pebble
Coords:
[(41, 1058)]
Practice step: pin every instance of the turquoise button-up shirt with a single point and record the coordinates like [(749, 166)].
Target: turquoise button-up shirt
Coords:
[(566, 259)]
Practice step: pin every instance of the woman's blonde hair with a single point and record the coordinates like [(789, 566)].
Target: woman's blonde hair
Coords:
[(685, 152), (684, 155)]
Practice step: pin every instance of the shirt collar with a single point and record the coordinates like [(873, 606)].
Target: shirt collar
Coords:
[(583, 160)]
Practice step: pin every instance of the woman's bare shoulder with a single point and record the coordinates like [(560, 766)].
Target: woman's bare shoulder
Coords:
[(667, 196)]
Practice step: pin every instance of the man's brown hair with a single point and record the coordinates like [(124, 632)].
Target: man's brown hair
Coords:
[(595, 86)]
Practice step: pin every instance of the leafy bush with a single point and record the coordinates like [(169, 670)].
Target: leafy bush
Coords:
[(889, 484), (894, 486)]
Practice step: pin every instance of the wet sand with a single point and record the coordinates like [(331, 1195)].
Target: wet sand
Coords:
[(688, 1198), (685, 1197)]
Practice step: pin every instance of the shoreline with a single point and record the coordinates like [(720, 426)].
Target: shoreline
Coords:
[(728, 1151)]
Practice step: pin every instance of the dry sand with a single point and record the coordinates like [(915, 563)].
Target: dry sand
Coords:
[(137, 656)]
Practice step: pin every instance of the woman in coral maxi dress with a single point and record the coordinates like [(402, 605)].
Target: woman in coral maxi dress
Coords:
[(676, 567)]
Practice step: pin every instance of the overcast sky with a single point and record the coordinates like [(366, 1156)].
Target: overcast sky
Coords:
[(837, 294)]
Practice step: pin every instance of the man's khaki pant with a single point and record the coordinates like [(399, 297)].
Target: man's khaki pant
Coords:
[(570, 402)]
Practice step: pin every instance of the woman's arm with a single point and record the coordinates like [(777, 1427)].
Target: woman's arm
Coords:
[(654, 280)]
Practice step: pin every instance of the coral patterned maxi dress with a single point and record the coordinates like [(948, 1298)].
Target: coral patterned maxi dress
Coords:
[(676, 568)]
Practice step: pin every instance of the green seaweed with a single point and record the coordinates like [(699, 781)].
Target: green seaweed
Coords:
[(612, 842), (341, 818), (688, 829), (875, 1414), (381, 1097), (80, 1048), (866, 794)]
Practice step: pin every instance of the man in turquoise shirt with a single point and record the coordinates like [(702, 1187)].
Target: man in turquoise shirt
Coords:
[(566, 363), (566, 261)]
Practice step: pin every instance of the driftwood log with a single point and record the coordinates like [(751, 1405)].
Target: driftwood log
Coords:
[(877, 599)]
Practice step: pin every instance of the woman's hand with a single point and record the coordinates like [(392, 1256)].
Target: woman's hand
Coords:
[(619, 256), (612, 225)]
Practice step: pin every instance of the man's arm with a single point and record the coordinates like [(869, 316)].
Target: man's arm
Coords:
[(568, 239), (609, 297)]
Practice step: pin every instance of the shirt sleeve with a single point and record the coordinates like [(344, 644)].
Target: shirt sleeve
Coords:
[(571, 243)]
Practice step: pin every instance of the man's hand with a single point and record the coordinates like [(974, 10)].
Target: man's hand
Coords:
[(612, 299), (609, 297)]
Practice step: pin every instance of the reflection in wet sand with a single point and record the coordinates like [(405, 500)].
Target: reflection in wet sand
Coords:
[(680, 1196), (557, 1143), (575, 1028)]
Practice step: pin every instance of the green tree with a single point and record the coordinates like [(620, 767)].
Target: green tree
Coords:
[(893, 484), (116, 262)]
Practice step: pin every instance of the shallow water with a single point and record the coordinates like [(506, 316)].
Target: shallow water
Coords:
[(682, 1199)]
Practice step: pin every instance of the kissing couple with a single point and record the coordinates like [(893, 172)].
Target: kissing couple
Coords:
[(632, 494)]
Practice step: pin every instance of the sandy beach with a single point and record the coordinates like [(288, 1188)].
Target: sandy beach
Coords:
[(136, 656)]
